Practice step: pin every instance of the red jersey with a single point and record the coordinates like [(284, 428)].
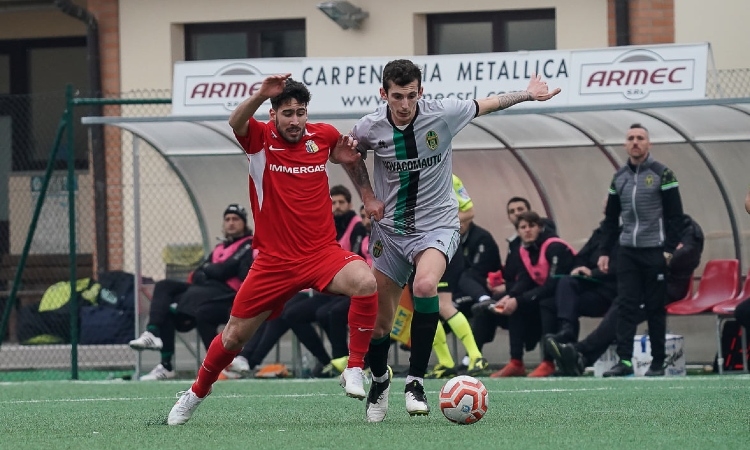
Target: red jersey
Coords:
[(289, 192)]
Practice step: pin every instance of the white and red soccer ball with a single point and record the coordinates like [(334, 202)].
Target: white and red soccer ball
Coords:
[(463, 400)]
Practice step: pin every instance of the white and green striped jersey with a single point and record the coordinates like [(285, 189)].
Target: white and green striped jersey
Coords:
[(413, 166)]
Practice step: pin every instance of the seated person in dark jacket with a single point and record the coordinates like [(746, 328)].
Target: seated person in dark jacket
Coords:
[(587, 291), (204, 301), (485, 321), (481, 256), (543, 256), (572, 359)]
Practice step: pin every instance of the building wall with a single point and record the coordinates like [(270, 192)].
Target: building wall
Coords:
[(724, 24), (152, 38)]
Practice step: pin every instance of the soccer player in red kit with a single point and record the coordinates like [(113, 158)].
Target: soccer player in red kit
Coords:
[(294, 234)]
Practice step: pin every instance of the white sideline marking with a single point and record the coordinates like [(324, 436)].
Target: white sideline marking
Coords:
[(128, 399), (245, 396), (485, 380)]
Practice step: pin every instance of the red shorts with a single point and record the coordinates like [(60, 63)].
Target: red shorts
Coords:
[(272, 281)]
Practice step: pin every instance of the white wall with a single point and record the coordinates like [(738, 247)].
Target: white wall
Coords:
[(151, 36), (724, 24)]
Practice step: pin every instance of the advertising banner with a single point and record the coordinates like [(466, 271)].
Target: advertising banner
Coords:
[(611, 76)]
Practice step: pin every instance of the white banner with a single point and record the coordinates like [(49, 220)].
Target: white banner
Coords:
[(617, 75)]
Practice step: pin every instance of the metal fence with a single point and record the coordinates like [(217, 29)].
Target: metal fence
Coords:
[(44, 189), (729, 83)]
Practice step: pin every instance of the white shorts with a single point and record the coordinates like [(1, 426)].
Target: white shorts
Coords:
[(393, 254)]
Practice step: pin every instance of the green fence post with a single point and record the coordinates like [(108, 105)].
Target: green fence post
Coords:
[(72, 234)]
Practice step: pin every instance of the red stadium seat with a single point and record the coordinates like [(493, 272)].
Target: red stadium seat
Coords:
[(718, 284)]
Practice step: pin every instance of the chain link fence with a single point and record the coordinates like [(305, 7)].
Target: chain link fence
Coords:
[(40, 329), (729, 83)]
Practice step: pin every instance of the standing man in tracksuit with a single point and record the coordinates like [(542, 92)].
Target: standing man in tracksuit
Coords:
[(645, 194)]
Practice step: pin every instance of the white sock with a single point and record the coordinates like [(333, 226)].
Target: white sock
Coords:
[(410, 378), (381, 378)]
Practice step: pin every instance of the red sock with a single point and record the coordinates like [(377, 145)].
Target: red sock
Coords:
[(217, 359), (362, 313)]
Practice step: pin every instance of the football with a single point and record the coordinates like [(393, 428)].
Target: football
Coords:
[(463, 400)]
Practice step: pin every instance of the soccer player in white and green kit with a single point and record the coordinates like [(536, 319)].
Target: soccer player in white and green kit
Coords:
[(415, 212)]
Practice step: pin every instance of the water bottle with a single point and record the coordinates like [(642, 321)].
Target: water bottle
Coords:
[(306, 371), (553, 269)]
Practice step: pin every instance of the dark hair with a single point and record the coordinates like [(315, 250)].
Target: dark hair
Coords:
[(401, 72), (293, 90), (518, 199), (531, 217), (638, 125), (341, 190)]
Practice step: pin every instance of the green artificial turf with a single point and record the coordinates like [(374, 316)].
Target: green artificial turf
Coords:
[(697, 412)]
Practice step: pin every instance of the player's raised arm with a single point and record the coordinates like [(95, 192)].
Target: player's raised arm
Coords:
[(271, 87), (536, 91)]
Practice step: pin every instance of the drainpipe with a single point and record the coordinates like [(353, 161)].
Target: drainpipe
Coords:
[(97, 131), (622, 22)]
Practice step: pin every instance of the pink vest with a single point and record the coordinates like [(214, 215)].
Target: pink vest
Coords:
[(221, 254), (540, 270), (366, 250), (346, 240)]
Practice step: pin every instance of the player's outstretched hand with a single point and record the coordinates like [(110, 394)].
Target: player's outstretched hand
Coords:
[(539, 90), (273, 85), (345, 151), (374, 209)]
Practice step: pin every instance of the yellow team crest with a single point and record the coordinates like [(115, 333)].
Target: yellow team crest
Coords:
[(432, 140), (377, 249), (311, 146), (649, 180)]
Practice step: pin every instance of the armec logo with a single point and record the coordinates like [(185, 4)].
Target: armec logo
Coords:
[(227, 87), (636, 74)]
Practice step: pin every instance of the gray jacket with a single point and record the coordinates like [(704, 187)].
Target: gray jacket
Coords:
[(647, 199)]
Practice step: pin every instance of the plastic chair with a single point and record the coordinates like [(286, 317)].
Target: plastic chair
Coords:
[(724, 313), (718, 284)]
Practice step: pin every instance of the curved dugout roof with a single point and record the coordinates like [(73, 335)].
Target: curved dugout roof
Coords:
[(561, 160)]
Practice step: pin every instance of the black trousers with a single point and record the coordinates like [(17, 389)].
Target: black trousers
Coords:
[(641, 287), (333, 317), (575, 297), (597, 342), (204, 307), (166, 292), (528, 324), (742, 314), (484, 323), (212, 313)]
